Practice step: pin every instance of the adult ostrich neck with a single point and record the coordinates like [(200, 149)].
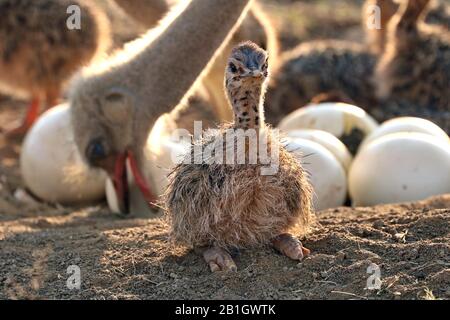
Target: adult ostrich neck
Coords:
[(405, 22), (179, 55), (403, 29), (146, 12)]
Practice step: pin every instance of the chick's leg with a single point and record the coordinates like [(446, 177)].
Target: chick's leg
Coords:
[(290, 246), (219, 259)]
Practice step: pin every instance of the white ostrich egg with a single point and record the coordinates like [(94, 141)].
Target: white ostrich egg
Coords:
[(326, 173), (400, 167), (349, 123), (51, 165), (406, 124), (333, 144)]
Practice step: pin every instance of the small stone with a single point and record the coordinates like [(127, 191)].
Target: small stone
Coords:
[(378, 224), (22, 196), (324, 274), (341, 256), (173, 275), (401, 236)]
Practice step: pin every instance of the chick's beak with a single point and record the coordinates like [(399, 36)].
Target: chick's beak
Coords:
[(252, 75), (257, 74)]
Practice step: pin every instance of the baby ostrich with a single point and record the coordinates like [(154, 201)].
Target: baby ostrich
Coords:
[(256, 27), (229, 206), (209, 103), (115, 104), (38, 52), (414, 69)]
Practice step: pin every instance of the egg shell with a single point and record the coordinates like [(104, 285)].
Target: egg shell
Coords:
[(51, 165), (336, 118), (329, 141), (400, 167), (406, 124), (326, 173)]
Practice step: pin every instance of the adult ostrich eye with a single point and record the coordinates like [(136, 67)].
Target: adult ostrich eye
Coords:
[(232, 67)]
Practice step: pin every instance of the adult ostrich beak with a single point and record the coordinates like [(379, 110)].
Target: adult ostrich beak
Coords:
[(117, 170), (141, 182)]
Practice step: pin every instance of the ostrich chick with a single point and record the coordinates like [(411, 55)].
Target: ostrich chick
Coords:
[(231, 206), (38, 52)]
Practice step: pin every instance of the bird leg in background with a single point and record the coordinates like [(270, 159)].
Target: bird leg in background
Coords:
[(52, 98), (30, 117), (219, 259), (290, 246)]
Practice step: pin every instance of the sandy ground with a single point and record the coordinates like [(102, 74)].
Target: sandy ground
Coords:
[(129, 258)]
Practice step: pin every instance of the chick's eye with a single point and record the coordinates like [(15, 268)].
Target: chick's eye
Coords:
[(96, 150), (233, 68)]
